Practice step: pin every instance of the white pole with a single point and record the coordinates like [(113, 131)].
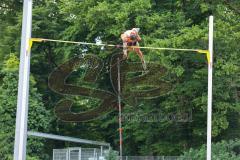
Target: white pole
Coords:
[(210, 76), (23, 85)]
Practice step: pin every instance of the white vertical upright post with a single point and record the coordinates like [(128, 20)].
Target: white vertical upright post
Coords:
[(23, 85), (210, 77)]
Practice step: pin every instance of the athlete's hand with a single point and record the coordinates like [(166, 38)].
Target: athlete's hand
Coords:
[(139, 38)]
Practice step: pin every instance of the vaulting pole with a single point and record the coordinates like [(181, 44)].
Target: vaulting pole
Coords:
[(23, 85), (210, 77), (120, 111)]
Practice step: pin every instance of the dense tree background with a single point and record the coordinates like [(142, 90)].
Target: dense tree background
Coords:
[(167, 23)]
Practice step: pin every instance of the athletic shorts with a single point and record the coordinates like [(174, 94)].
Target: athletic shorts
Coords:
[(132, 43)]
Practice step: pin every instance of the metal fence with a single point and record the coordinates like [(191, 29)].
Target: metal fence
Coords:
[(100, 154), (79, 154)]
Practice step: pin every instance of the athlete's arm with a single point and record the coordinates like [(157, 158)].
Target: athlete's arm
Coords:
[(138, 38)]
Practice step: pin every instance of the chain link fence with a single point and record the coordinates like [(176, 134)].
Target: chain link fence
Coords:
[(79, 154), (99, 154)]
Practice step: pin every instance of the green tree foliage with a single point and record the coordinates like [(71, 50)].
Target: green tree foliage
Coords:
[(221, 150), (38, 115)]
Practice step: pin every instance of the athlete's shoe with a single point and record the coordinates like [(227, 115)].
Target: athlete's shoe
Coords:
[(144, 65)]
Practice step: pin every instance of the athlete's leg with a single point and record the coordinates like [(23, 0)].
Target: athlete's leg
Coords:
[(138, 51), (141, 56), (125, 51)]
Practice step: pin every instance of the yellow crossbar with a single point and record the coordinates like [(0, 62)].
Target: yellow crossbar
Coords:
[(112, 45)]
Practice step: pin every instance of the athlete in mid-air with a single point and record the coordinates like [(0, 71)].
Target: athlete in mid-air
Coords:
[(130, 40)]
